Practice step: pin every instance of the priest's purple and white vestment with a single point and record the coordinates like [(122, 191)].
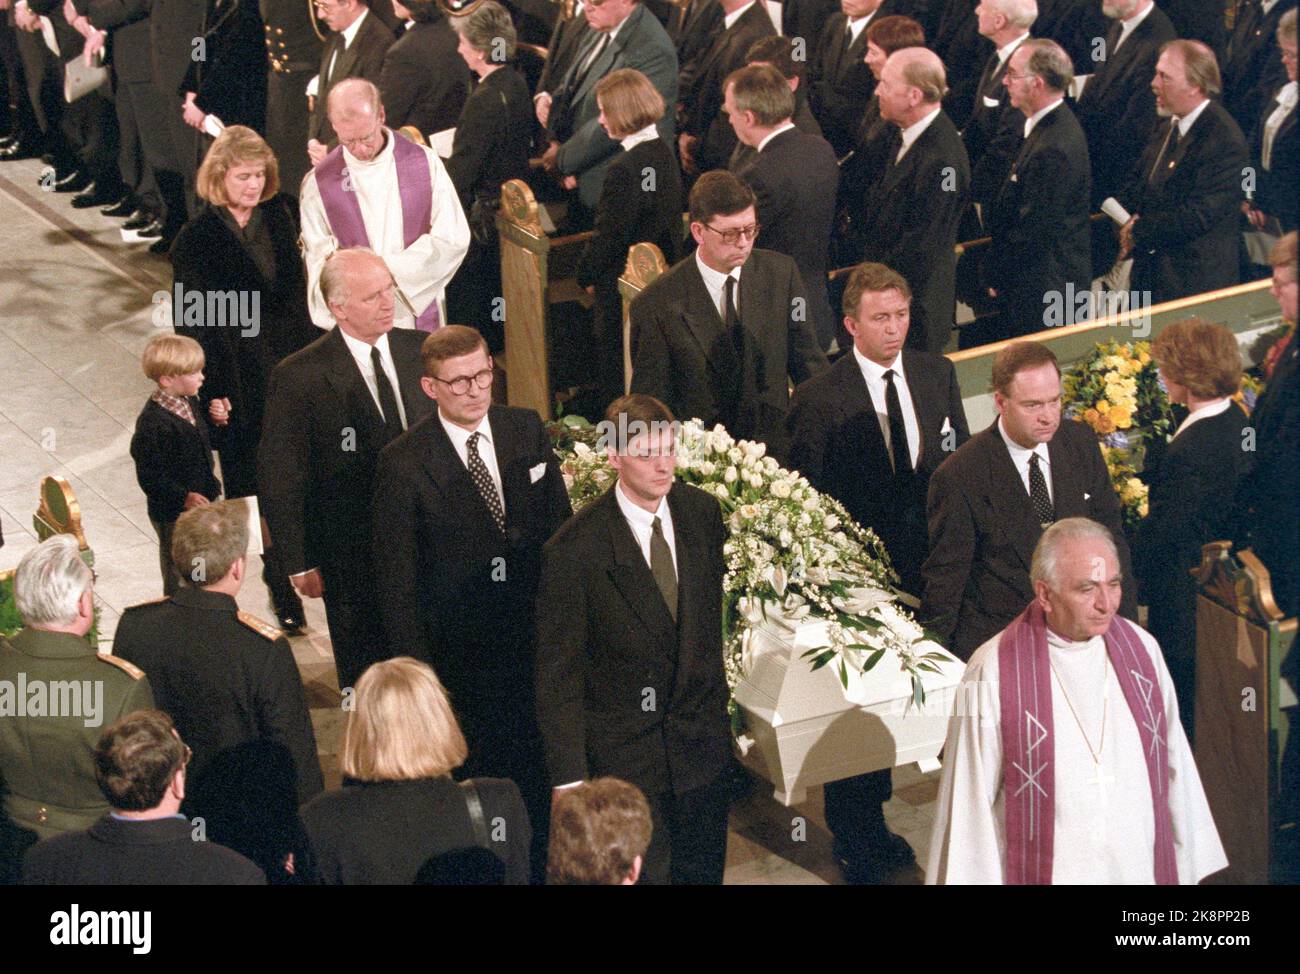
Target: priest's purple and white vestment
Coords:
[(1104, 828), (418, 228)]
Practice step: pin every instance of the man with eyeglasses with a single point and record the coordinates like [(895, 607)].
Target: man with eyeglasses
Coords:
[(463, 504), (382, 191), (720, 336), (356, 49), (331, 408)]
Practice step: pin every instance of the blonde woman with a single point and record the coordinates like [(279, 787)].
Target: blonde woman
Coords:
[(400, 812)]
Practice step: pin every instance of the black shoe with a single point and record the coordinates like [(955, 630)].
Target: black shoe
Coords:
[(139, 218), (886, 858), (162, 246), (290, 622), (8, 140), (126, 206), (150, 231), (73, 182), (94, 196), (18, 150)]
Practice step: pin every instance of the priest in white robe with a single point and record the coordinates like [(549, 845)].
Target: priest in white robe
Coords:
[(380, 190), (1090, 779)]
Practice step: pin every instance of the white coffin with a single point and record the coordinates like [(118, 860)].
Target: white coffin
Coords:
[(803, 728)]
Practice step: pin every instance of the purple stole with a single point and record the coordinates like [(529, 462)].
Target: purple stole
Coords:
[(1028, 772), (413, 183)]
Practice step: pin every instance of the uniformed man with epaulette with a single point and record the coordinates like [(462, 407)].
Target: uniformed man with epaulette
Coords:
[(294, 39), (224, 676), (57, 695)]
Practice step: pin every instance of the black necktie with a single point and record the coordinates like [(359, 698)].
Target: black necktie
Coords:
[(387, 398), (478, 472), (897, 430), (1038, 495), (1167, 148), (661, 567), (731, 319)]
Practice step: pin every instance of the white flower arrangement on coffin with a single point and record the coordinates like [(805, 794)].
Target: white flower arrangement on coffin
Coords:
[(792, 554)]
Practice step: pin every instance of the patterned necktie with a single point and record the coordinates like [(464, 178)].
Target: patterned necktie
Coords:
[(387, 398), (902, 456), (1038, 496), (478, 472), (661, 567)]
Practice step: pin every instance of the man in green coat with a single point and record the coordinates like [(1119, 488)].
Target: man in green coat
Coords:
[(57, 695)]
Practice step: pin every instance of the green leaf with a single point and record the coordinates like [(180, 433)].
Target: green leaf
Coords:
[(844, 674), (873, 659)]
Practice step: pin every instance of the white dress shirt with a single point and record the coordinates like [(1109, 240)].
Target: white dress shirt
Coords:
[(858, 25), (735, 15), (361, 354), (1126, 27), (641, 522), (647, 134), (1009, 48), (349, 35), (874, 374), (783, 127), (1203, 412), (1185, 122), (459, 437), (715, 283), (1020, 459), (1285, 105), (422, 270), (913, 132), (1034, 119)]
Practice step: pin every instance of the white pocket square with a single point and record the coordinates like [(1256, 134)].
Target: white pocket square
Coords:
[(537, 473), (1086, 495), (990, 102), (947, 425)]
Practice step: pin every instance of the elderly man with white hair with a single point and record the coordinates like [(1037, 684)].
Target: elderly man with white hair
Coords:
[(56, 697), (1066, 762), (381, 191), (993, 132)]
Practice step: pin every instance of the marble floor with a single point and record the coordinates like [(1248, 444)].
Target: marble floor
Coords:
[(76, 305)]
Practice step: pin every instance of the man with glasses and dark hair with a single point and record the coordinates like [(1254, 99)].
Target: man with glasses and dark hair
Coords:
[(721, 334), (463, 504), (140, 765), (330, 409)]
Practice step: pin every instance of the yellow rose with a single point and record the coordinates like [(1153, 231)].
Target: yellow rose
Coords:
[(1121, 417), (1104, 424), (1144, 357)]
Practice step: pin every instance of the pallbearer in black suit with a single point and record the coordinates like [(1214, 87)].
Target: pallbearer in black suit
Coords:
[(641, 200), (794, 176), (629, 646), (463, 504), (1193, 482), (913, 215), (990, 501), (869, 432), (993, 132), (1186, 192), (1040, 262), (330, 409), (721, 334)]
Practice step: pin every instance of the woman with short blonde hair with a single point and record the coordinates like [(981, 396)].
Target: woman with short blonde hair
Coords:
[(237, 145), (399, 810)]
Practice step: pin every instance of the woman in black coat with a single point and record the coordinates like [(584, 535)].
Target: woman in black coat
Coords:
[(491, 147), (400, 817), (1192, 483), (640, 200), (240, 291)]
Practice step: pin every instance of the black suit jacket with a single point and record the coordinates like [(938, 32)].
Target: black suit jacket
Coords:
[(320, 442), (161, 852), (837, 443), (840, 82), (453, 590), (230, 82), (415, 91), (693, 27), (1042, 240), (1187, 236), (964, 51), (1193, 484), (983, 531), (1277, 190), (1118, 109), (796, 180), (492, 137), (172, 458), (567, 38), (1075, 25), (633, 209), (911, 226), (606, 642), (1252, 65), (363, 59), (231, 680), (683, 357), (699, 86), (993, 133), (127, 24), (173, 25), (807, 19)]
